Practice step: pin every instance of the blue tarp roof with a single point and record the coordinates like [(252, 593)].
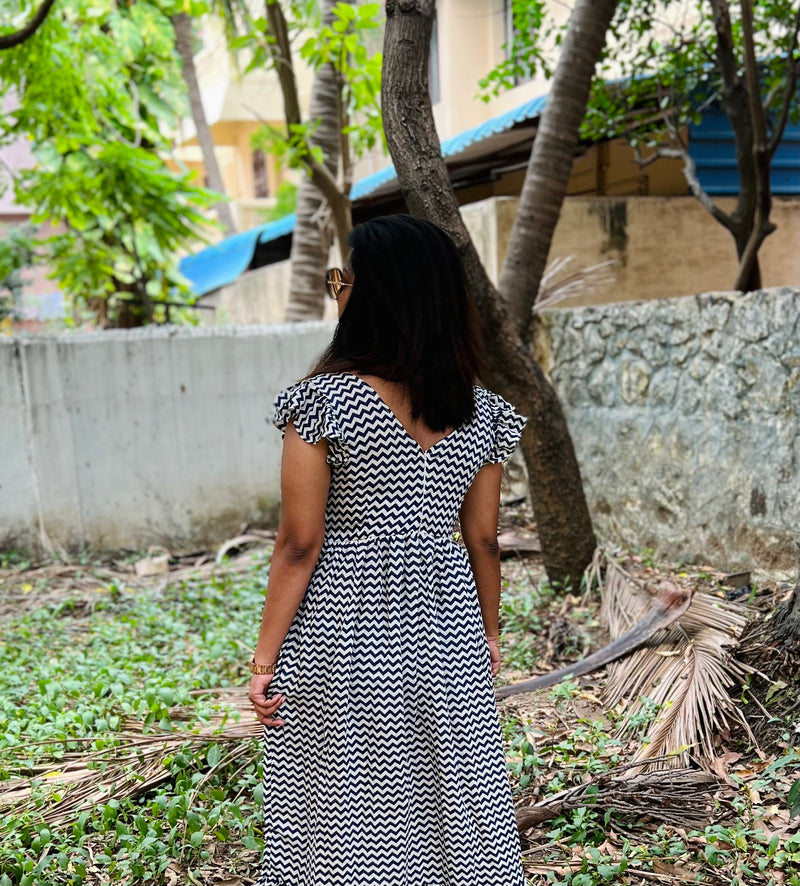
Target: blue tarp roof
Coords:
[(223, 262), (713, 148)]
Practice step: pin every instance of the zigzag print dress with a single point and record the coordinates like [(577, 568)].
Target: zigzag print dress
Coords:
[(389, 770)]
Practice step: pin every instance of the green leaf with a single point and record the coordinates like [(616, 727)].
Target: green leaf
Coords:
[(793, 798), (774, 689)]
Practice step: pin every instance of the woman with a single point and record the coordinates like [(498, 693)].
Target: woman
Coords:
[(383, 761)]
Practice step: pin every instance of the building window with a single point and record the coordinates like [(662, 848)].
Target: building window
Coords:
[(260, 178), (434, 88)]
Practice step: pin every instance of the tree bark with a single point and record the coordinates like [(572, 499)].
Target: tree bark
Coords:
[(551, 160), (182, 25), (312, 232), (787, 621), (9, 41), (556, 490), (761, 227), (736, 102), (281, 52)]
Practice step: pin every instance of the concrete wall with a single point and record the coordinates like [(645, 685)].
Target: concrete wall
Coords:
[(259, 296), (126, 438), (662, 246), (685, 414)]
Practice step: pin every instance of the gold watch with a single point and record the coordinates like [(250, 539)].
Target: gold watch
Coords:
[(261, 669)]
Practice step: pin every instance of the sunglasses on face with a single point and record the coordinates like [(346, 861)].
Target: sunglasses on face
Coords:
[(334, 282)]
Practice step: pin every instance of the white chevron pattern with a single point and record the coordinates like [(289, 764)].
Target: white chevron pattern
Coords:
[(390, 769)]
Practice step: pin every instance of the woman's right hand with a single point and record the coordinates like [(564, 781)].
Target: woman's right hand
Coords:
[(494, 651), (265, 705)]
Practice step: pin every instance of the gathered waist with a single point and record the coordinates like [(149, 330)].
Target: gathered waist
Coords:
[(340, 539)]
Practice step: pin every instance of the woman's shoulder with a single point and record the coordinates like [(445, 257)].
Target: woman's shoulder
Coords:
[(497, 407), (488, 399), (321, 383)]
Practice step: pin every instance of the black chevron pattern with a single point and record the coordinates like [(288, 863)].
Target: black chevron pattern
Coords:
[(390, 768)]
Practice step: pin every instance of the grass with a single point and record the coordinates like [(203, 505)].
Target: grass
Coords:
[(102, 660), (71, 683)]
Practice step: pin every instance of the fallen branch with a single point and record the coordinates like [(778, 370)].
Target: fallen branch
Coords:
[(670, 604)]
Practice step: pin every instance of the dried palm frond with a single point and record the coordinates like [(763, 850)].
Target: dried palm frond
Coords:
[(131, 764), (682, 797), (562, 279), (684, 671)]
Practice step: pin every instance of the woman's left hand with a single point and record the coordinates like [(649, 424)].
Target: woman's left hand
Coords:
[(265, 705), (494, 651)]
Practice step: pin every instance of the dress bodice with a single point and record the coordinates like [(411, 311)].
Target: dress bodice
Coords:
[(382, 481)]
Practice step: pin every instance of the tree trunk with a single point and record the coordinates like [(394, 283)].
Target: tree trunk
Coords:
[(556, 490), (313, 230), (280, 49), (9, 41), (182, 25), (787, 622), (551, 160), (748, 277), (738, 106), (761, 227)]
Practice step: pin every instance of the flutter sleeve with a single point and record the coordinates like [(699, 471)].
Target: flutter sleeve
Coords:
[(313, 415), (507, 427)]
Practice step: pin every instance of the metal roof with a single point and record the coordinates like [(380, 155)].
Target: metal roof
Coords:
[(223, 262), (458, 144), (713, 148)]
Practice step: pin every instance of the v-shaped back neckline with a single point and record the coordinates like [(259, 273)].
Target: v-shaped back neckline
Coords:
[(409, 436)]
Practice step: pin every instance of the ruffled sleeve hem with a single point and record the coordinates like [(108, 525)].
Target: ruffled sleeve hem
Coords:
[(507, 426), (313, 416)]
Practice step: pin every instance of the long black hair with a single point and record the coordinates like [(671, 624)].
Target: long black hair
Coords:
[(409, 318)]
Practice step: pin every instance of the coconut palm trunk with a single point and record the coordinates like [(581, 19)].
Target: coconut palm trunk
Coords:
[(182, 25), (314, 230)]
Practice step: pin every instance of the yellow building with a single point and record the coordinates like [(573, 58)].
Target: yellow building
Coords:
[(661, 240), (237, 105)]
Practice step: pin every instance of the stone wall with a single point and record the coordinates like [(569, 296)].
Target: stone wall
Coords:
[(685, 413)]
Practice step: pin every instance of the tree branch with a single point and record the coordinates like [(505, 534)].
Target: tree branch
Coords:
[(9, 41), (690, 174), (726, 56), (762, 227), (281, 52), (792, 65), (339, 202)]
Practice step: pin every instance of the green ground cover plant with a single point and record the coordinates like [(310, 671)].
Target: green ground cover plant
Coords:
[(136, 689), (75, 675)]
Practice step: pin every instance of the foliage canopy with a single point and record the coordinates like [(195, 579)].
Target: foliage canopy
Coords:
[(96, 91)]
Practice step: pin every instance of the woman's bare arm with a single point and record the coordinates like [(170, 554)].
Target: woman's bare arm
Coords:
[(479, 512), (305, 478)]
